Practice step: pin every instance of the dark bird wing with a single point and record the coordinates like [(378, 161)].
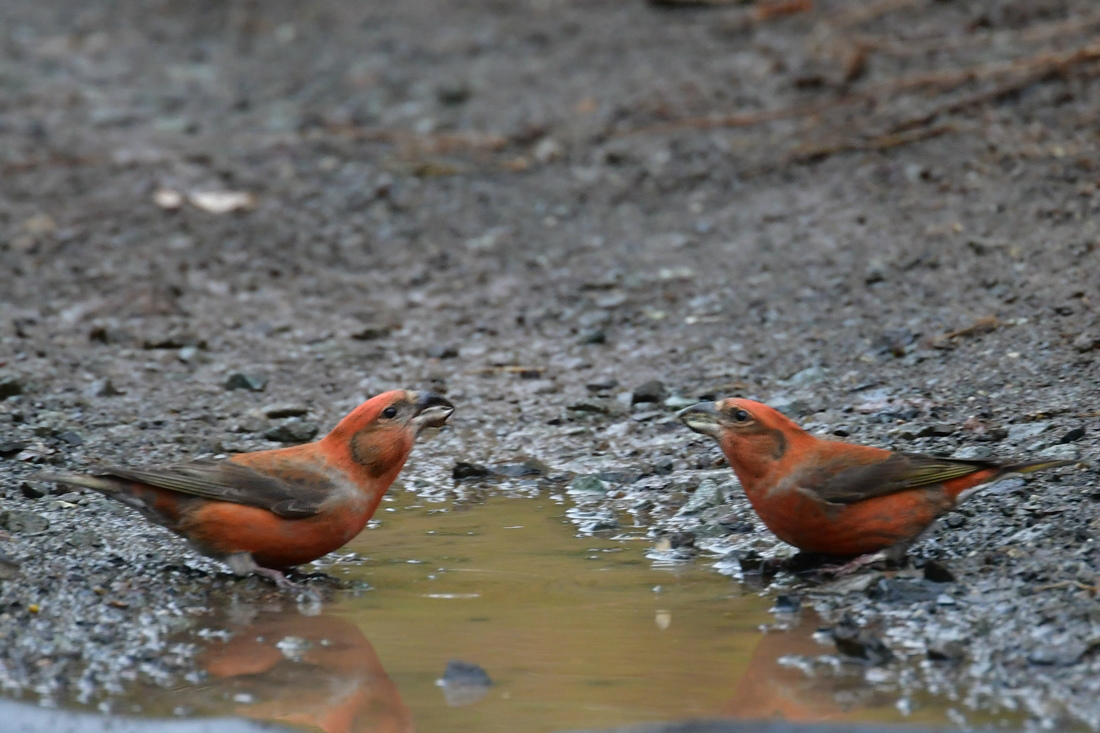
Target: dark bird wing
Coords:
[(899, 472), (225, 481)]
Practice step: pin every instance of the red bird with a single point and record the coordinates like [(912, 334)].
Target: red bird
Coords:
[(838, 498), (267, 511)]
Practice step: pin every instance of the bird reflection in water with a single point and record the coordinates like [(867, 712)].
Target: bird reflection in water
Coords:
[(316, 671), (773, 687)]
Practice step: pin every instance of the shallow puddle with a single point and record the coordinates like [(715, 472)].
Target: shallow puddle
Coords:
[(573, 632)]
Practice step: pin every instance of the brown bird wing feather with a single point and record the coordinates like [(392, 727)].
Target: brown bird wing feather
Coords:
[(231, 482), (899, 472)]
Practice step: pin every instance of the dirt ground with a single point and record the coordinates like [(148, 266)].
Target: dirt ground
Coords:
[(882, 215)]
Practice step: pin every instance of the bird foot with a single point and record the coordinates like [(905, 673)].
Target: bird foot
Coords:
[(853, 566), (279, 578)]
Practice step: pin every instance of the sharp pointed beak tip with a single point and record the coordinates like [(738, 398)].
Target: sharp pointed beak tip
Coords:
[(433, 409), (698, 409), (701, 417)]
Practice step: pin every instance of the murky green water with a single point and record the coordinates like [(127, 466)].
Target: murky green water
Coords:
[(574, 632)]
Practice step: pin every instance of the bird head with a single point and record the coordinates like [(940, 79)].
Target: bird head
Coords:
[(750, 433), (380, 432)]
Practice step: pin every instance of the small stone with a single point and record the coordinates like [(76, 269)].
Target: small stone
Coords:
[(251, 382), (443, 352), (1060, 655), (1086, 342), (102, 388), (651, 391), (1019, 433), (708, 494), (946, 651), (176, 340), (32, 490), (791, 407), (604, 385), (463, 683), (1061, 452), (851, 641), (587, 485), (293, 430), (10, 386), (453, 93), (11, 448), (677, 402), (938, 573), (71, 437), (594, 337), (973, 453), (463, 470), (598, 406), (1072, 436), (22, 522), (284, 409), (954, 521), (371, 332), (9, 568), (548, 150), (875, 272), (810, 375), (187, 354), (787, 603), (519, 470)]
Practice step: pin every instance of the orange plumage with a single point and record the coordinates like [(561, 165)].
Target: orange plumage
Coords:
[(270, 510), (832, 497)]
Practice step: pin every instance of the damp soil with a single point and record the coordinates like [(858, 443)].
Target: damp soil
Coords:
[(222, 225)]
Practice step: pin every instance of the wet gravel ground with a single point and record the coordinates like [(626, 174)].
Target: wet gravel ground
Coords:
[(497, 207)]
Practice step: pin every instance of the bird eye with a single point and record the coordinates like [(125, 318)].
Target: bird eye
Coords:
[(389, 412), (740, 416)]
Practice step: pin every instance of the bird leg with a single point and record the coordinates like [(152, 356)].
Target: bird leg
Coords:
[(854, 565), (242, 563)]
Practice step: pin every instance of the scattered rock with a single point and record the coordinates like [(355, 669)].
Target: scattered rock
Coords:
[(676, 402), (519, 470), (9, 568), (603, 385), (71, 437), (1061, 452), (651, 391), (787, 603), (1072, 436), (11, 448), (708, 494), (293, 430), (102, 388), (598, 406), (856, 643), (1019, 433), (1086, 342), (463, 470), (10, 386), (792, 407), (1058, 655), (587, 485), (32, 489), (947, 651), (937, 573), (18, 521), (284, 409), (593, 337), (251, 382), (464, 683), (371, 332), (443, 351), (173, 341), (808, 376)]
